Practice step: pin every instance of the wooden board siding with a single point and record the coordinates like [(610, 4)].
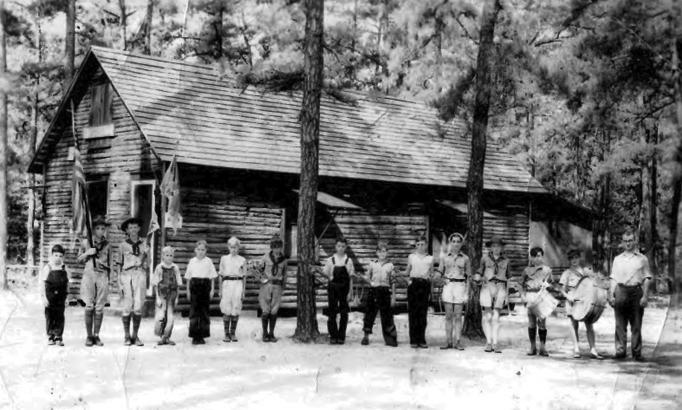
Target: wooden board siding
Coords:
[(121, 159)]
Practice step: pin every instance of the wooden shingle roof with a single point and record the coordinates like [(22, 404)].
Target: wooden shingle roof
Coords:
[(190, 111)]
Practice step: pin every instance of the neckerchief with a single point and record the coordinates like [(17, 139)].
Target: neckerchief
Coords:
[(275, 262), (135, 245)]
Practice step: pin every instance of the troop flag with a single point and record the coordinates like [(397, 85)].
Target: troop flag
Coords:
[(170, 188)]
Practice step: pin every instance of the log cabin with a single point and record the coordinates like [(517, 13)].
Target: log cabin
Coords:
[(389, 169)]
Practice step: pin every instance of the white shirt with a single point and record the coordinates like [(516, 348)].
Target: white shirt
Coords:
[(630, 269), (421, 265), (335, 260), (379, 274), (232, 265), (200, 269)]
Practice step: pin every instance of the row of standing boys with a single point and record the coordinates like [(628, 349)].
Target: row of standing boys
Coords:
[(628, 295)]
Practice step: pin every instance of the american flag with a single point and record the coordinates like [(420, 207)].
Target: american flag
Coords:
[(80, 221)]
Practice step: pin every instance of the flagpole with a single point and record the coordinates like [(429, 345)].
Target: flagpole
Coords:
[(84, 191), (162, 218)]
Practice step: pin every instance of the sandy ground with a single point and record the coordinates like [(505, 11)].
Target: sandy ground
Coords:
[(251, 374)]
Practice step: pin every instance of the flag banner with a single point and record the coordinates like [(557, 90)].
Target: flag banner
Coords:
[(170, 188), (79, 205), (153, 223)]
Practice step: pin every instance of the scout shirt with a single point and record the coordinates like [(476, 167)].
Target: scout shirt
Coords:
[(421, 265), (494, 269), (232, 266), (630, 269), (534, 276), (570, 278), (200, 269), (157, 275), (101, 262), (379, 273), (133, 254), (455, 266), (275, 270)]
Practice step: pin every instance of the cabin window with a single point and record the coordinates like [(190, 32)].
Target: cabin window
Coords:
[(98, 193), (142, 204), (100, 119)]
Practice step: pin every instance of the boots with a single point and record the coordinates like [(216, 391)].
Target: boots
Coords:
[(88, 326), (531, 335), (98, 325), (226, 326), (365, 339), (233, 328), (136, 326), (273, 321), (543, 339), (126, 329), (265, 319)]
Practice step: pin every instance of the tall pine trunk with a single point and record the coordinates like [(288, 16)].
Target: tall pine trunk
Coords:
[(124, 24), (306, 316), (676, 47), (3, 150), (30, 221), (148, 18), (69, 43), (491, 8)]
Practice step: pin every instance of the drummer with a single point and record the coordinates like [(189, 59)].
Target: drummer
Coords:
[(534, 279), (629, 295), (569, 281)]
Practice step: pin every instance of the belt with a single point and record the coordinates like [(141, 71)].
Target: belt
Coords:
[(495, 280), (381, 287), (232, 278), (276, 282), (639, 285), (132, 267), (418, 279), (456, 280)]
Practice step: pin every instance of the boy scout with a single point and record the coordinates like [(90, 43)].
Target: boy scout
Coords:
[(273, 281), (494, 271), (534, 278), (455, 269), (133, 278)]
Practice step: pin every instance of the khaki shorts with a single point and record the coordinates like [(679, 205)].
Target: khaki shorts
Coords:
[(134, 287), (493, 295), (94, 289), (454, 292), (231, 300)]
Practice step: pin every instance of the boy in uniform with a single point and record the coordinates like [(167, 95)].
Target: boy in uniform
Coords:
[(534, 278), (165, 282), (95, 281), (232, 273), (273, 280), (200, 275), (569, 281), (455, 269), (133, 278), (379, 276), (494, 271), (54, 280), (419, 270), (338, 269)]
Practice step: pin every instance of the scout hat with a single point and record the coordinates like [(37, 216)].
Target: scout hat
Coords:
[(494, 240), (133, 220), (456, 235), (574, 253), (99, 220)]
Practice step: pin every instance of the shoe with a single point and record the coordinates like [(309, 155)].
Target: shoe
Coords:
[(576, 355), (97, 341), (595, 355), (365, 340), (619, 356), (162, 342), (543, 352), (340, 341), (414, 346), (234, 338), (266, 338), (447, 346), (50, 341), (532, 352), (392, 343), (459, 346), (488, 348), (127, 341), (497, 349), (422, 346), (201, 341), (226, 339), (170, 342), (138, 342), (333, 342), (272, 337), (59, 342), (88, 341), (639, 358), (195, 341)]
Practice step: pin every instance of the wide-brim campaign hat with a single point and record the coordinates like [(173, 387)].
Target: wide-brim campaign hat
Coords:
[(574, 253), (494, 240), (133, 220), (100, 220)]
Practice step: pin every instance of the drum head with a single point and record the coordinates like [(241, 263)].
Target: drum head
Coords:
[(584, 294)]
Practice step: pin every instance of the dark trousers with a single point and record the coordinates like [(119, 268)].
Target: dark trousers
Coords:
[(627, 310), (54, 320), (337, 293), (418, 306), (379, 300), (200, 302)]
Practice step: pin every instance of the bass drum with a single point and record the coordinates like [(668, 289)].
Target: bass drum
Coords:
[(590, 301)]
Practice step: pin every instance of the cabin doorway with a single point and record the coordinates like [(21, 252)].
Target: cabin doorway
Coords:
[(142, 203)]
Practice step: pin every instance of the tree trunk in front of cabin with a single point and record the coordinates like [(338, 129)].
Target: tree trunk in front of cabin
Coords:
[(3, 150), (31, 193), (491, 8), (124, 24), (676, 48), (306, 315), (69, 44), (148, 18)]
